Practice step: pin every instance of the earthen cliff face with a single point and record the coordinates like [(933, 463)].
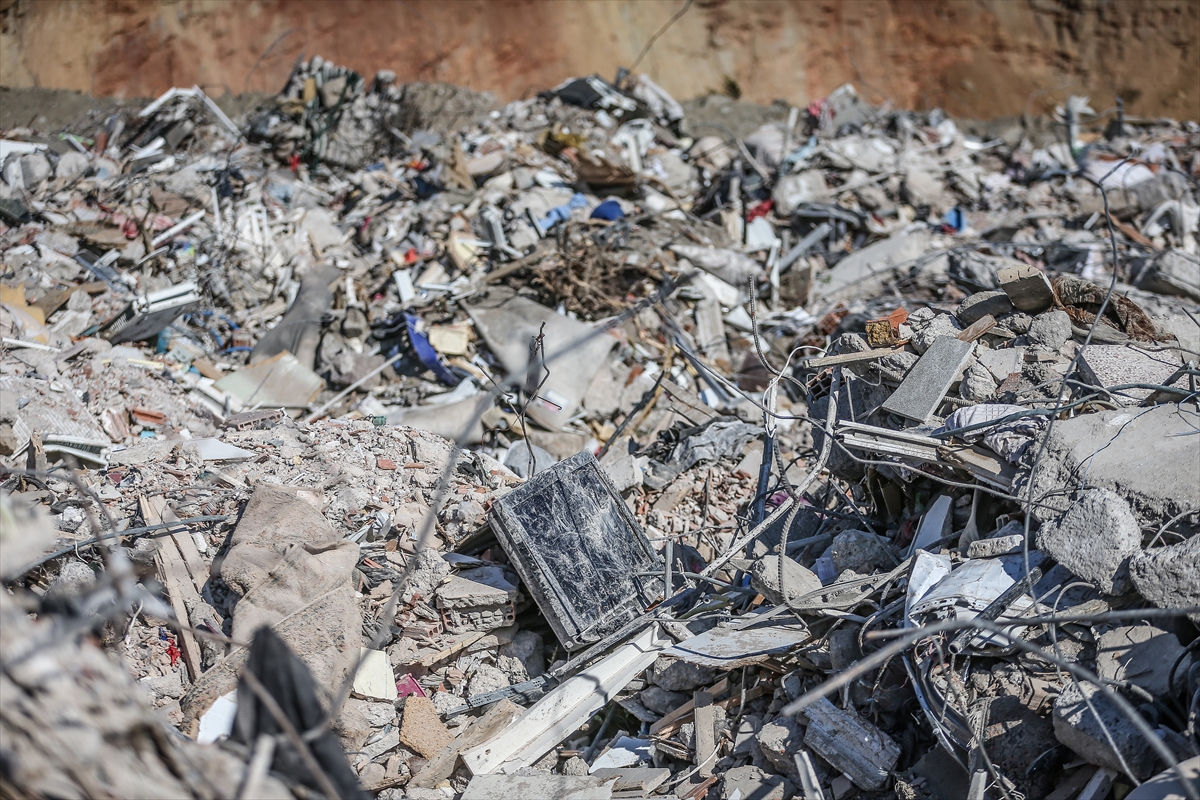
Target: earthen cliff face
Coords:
[(974, 58)]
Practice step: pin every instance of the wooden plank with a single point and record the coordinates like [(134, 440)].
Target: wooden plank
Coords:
[(852, 745), (978, 328), (706, 737), (701, 789), (178, 584), (178, 581), (155, 511), (684, 712), (848, 358)]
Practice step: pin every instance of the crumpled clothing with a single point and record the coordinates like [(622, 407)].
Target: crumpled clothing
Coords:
[(1010, 440)]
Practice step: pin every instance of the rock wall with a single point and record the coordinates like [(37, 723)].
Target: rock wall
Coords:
[(974, 58)]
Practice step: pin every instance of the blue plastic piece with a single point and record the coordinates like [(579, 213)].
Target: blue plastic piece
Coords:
[(956, 219), (609, 210), (425, 353)]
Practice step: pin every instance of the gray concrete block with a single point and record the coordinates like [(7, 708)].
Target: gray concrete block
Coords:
[(922, 390), (861, 551), (1147, 456), (778, 740), (1027, 288), (764, 577)]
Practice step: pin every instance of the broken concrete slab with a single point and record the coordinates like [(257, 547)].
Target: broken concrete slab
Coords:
[(1080, 729), (1095, 539), (1140, 654), (926, 384), (281, 381), (1173, 272), (508, 323), (865, 272), (1116, 365), (1146, 456)]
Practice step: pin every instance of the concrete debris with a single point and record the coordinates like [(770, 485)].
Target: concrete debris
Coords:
[(1169, 577), (1085, 719), (571, 453), (1095, 539), (1143, 655)]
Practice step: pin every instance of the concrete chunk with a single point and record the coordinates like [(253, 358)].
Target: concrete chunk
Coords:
[(864, 272), (1147, 456), (1095, 539), (1169, 576), (752, 782), (778, 740), (1051, 329), (1027, 288), (980, 304), (1173, 272), (799, 580)]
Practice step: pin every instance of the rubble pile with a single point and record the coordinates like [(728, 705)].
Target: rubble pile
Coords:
[(579, 449)]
